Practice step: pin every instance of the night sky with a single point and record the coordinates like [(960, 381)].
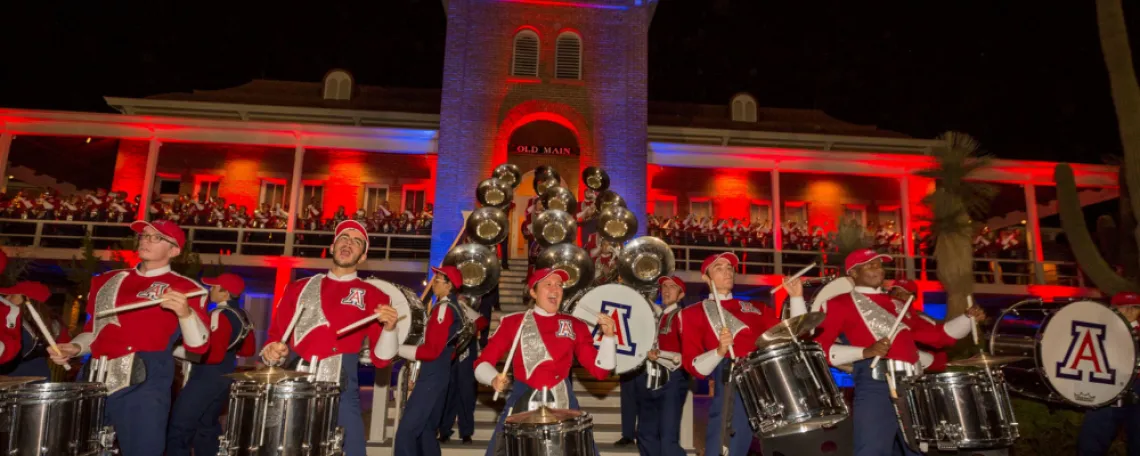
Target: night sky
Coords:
[(1025, 77)]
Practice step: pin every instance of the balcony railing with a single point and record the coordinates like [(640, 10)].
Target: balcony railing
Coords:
[(313, 244), (207, 240)]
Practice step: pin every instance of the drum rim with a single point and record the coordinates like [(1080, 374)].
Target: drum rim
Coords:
[(1054, 394)]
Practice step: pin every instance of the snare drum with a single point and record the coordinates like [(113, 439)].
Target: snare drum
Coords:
[(959, 410), (1081, 353), (549, 432), (55, 418), (787, 389), (288, 418)]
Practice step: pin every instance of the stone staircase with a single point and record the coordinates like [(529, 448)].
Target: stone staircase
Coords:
[(599, 398)]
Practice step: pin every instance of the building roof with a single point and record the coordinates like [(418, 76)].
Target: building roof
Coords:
[(427, 101)]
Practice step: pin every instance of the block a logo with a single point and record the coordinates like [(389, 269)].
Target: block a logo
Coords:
[(620, 313), (1086, 352)]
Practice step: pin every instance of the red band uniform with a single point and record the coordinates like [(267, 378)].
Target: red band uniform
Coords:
[(700, 340), (24, 352)]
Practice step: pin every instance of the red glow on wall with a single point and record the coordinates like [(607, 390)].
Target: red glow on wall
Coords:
[(564, 4), (730, 190), (534, 110), (130, 168), (346, 171), (284, 266)]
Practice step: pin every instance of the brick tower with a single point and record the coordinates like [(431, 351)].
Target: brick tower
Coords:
[(541, 82)]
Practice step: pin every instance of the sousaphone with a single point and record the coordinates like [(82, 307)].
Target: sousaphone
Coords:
[(553, 226), (596, 179), (644, 260), (494, 192), (617, 224), (572, 259), (487, 225), (508, 173), (559, 198)]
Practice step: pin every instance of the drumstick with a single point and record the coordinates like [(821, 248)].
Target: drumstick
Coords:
[(511, 354), (140, 305), (47, 335), (894, 328), (973, 324), (720, 313), (362, 322), (793, 277), (459, 236)]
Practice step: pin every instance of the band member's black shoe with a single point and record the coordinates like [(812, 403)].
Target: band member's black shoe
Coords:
[(624, 442), (444, 438), (467, 440)]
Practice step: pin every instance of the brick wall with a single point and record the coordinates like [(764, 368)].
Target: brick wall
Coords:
[(482, 104)]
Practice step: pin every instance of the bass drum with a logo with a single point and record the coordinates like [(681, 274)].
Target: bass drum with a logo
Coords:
[(1081, 353), (636, 329)]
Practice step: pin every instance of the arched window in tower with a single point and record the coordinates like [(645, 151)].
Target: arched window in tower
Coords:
[(338, 85), (568, 56), (743, 108), (525, 60)]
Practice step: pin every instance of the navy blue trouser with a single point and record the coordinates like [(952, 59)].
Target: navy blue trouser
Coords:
[(742, 434), (460, 398), (194, 421), (672, 403), (629, 406), (1101, 425), (648, 415), (139, 412), (518, 389), (415, 435), (877, 431), (25, 365)]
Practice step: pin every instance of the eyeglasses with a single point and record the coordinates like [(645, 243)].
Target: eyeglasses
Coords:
[(155, 238)]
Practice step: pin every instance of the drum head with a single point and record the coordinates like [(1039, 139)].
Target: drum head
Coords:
[(403, 299), (1088, 354), (636, 329), (842, 285)]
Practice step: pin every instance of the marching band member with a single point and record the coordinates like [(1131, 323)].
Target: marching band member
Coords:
[(30, 350), (864, 317), (194, 419), (548, 346), (705, 342), (133, 348), (416, 434), (1100, 425), (659, 426), (329, 302), (461, 389)]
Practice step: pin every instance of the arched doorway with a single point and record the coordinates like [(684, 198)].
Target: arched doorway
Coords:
[(536, 143)]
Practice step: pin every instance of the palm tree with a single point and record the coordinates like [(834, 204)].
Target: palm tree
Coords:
[(953, 204)]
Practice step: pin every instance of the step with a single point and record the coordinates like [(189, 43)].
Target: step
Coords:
[(513, 273), (478, 447), (511, 286)]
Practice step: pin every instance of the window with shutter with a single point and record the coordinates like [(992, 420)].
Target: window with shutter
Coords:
[(743, 108), (568, 56), (525, 60)]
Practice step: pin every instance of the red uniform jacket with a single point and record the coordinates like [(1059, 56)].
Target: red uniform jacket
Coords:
[(149, 329), (9, 332), (843, 318), (699, 336), (565, 337), (220, 339), (343, 302)]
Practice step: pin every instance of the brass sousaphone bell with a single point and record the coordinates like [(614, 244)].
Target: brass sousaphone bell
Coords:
[(479, 266), (545, 177), (494, 192), (596, 179), (609, 198), (553, 226), (644, 260), (559, 198), (572, 259), (509, 173), (617, 224), (487, 225)]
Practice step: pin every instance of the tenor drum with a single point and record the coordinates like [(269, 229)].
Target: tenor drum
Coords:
[(549, 432), (55, 418), (633, 316), (959, 410), (1081, 353), (787, 389), (288, 418)]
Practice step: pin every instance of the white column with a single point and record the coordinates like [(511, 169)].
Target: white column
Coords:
[(5, 148), (294, 198), (1033, 234), (777, 223), (378, 430), (148, 178), (904, 213)]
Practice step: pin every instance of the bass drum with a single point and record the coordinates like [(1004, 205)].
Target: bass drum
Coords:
[(633, 316), (1080, 353), (409, 330)]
